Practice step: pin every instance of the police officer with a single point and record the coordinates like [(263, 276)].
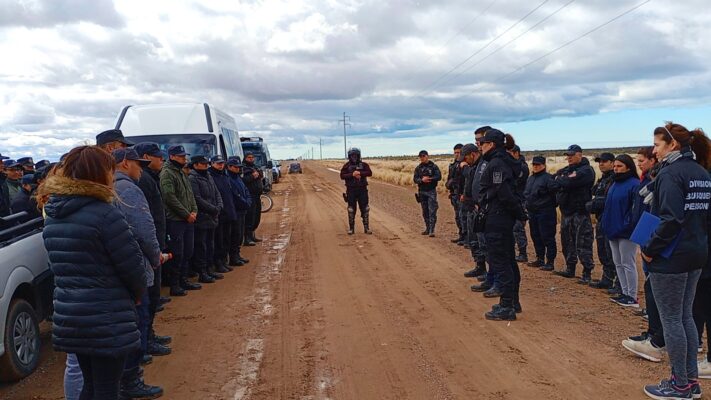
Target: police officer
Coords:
[(503, 207), (540, 195), (28, 166), (111, 140), (455, 190), (427, 175), (356, 172), (243, 202), (42, 164), (253, 178), (520, 226), (489, 282), (24, 201), (209, 204), (181, 214), (596, 206), (13, 170), (4, 191), (576, 181), (470, 155)]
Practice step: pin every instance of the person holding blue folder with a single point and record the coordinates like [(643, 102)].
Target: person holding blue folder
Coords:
[(617, 223), (680, 199)]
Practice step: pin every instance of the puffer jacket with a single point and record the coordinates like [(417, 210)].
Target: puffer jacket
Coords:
[(134, 206), (255, 185), (498, 184), (242, 197), (177, 192), (617, 220), (98, 272), (208, 199)]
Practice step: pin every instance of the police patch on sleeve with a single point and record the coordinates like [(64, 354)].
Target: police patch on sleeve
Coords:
[(498, 177)]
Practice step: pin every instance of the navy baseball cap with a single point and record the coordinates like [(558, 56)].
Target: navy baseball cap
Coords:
[(605, 157), (199, 159), (469, 148), (177, 150), (423, 153), (2, 157), (493, 136), (112, 135), (538, 160), (234, 161), (516, 149), (150, 148), (41, 164), (26, 161), (28, 179), (10, 163), (129, 154), (217, 159), (572, 149)]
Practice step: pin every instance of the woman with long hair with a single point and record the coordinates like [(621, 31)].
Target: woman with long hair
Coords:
[(680, 198), (98, 269)]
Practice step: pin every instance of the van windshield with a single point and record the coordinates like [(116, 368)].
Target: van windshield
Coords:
[(202, 144), (257, 152)]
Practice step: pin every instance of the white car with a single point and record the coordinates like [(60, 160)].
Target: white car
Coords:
[(26, 285)]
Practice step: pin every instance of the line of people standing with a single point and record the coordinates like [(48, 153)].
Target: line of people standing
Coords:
[(120, 222)]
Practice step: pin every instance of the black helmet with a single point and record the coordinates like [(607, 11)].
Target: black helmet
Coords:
[(354, 150)]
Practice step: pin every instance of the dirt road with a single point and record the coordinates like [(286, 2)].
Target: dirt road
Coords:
[(319, 314)]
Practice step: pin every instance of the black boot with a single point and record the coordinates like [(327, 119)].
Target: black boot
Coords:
[(187, 285), (366, 221), (206, 278), (565, 274), (158, 350), (248, 239), (255, 238), (177, 290), (133, 387), (501, 313), (586, 278)]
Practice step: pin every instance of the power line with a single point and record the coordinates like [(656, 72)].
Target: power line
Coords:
[(597, 28), (465, 26), (549, 16), (433, 84)]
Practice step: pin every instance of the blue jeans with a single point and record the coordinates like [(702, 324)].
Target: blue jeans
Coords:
[(73, 379), (674, 295)]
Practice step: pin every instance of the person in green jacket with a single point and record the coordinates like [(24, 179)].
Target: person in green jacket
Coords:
[(181, 214)]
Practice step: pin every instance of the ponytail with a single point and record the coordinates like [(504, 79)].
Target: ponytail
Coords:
[(509, 142), (701, 146)]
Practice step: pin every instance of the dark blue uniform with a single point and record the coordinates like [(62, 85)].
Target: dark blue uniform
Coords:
[(597, 206), (503, 208), (427, 193), (541, 204)]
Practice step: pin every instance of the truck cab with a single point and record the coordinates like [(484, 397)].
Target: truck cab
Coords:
[(262, 158), (26, 285)]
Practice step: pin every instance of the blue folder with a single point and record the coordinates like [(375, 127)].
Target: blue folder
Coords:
[(644, 230)]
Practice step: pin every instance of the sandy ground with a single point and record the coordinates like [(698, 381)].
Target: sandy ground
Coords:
[(319, 314)]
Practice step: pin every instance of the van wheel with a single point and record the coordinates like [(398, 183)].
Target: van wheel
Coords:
[(22, 342)]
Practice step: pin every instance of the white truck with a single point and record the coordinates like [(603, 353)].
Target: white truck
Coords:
[(26, 285)]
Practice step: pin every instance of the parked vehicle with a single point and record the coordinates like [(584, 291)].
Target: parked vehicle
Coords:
[(26, 285), (276, 171), (200, 128), (262, 159), (295, 168)]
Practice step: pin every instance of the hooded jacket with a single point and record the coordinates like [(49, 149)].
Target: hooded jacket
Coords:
[(242, 198), (349, 168), (682, 192), (98, 270), (575, 182), (131, 201), (149, 185), (222, 181), (177, 192), (498, 184), (540, 192), (428, 169), (617, 220), (208, 199)]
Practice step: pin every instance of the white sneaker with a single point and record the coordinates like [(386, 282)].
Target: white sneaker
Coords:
[(704, 369), (644, 349)]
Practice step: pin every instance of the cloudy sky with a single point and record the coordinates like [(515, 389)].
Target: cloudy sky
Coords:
[(411, 74)]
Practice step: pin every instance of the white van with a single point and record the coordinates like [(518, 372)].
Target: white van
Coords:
[(201, 128)]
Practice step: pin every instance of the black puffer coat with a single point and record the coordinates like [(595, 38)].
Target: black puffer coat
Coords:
[(98, 270), (207, 197)]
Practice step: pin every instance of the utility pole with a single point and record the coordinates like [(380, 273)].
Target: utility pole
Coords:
[(345, 123), (320, 148)]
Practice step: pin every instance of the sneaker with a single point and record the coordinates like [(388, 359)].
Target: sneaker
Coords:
[(617, 298), (704, 369), (644, 349), (641, 313), (627, 301), (667, 390), (695, 389), (536, 264)]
